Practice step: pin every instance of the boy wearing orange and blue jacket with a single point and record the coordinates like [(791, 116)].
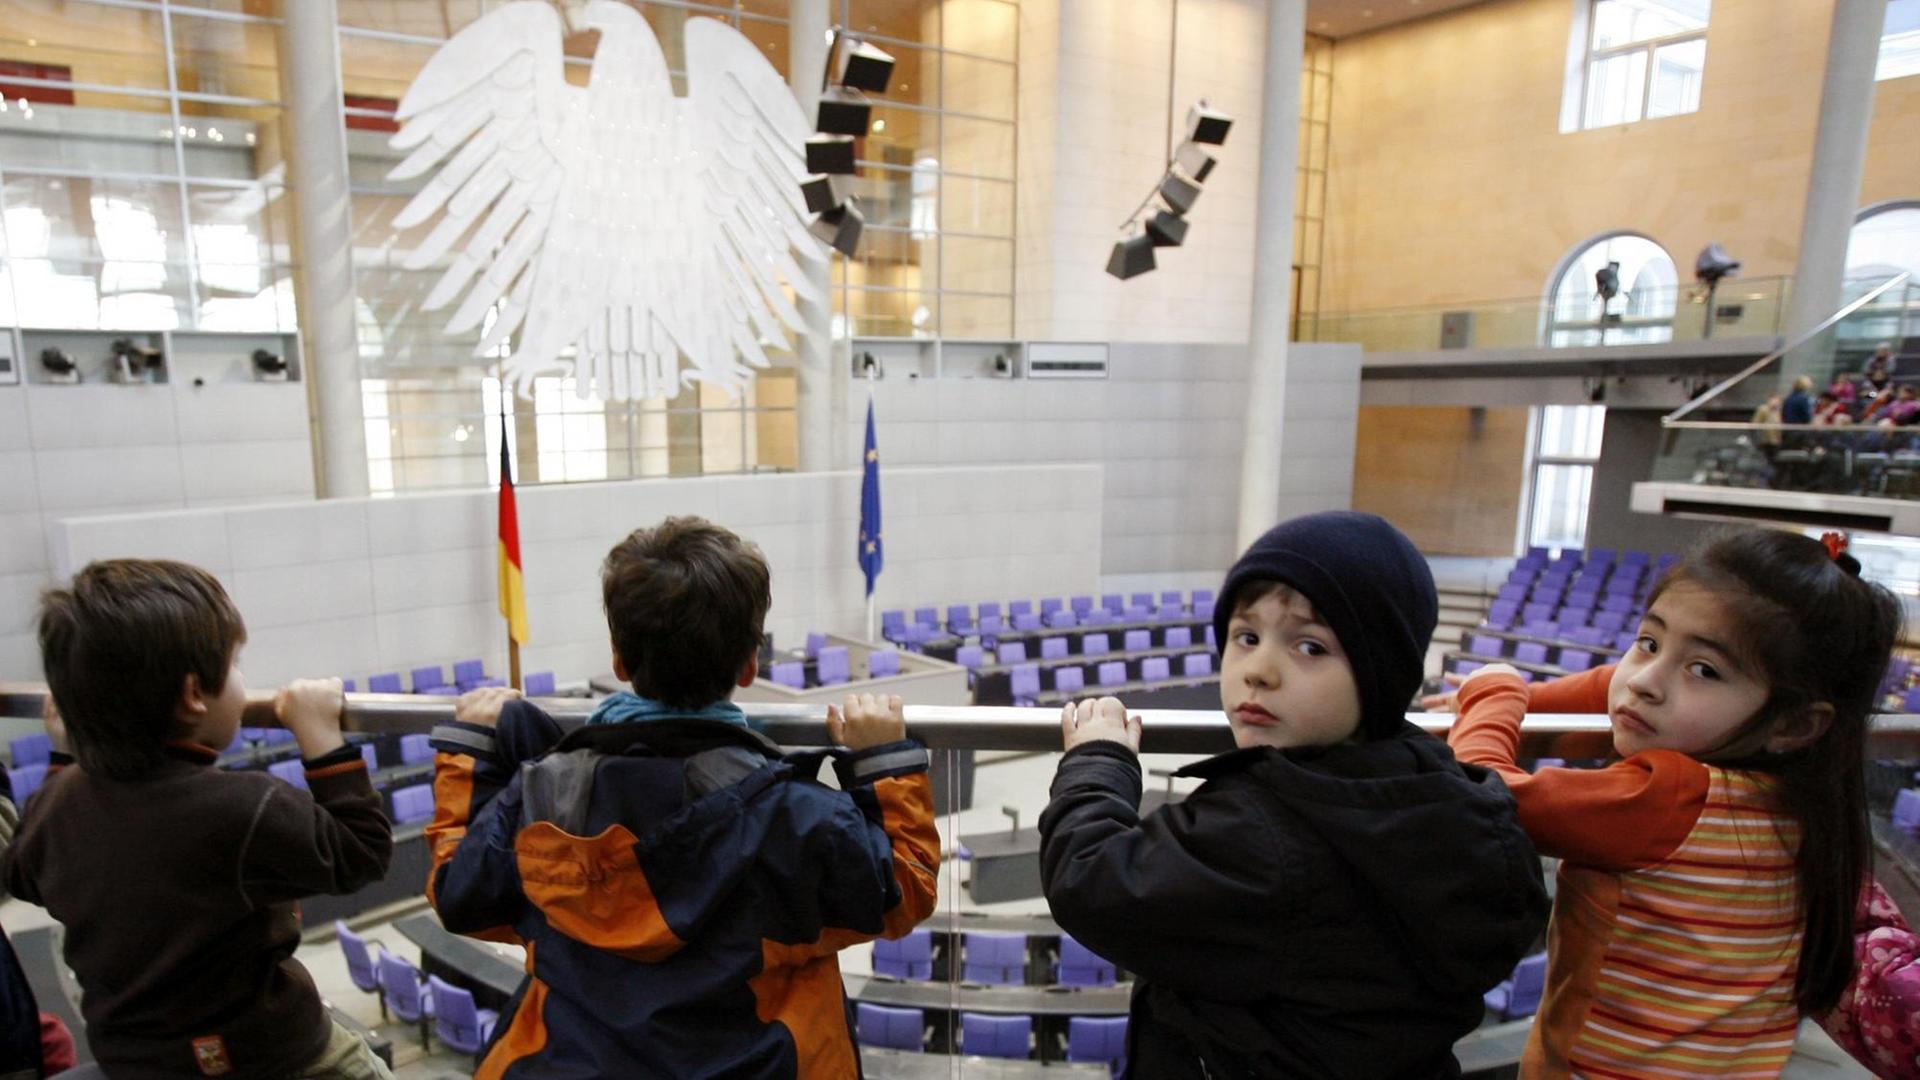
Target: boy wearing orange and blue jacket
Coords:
[(681, 886)]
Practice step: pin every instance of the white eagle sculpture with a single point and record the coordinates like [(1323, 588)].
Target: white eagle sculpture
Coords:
[(619, 219)]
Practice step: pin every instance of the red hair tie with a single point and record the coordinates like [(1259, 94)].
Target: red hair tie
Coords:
[(1836, 543)]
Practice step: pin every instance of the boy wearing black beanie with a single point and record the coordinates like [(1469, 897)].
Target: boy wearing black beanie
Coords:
[(1336, 897)]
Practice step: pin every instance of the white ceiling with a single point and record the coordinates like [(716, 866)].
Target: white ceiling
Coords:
[(1343, 18)]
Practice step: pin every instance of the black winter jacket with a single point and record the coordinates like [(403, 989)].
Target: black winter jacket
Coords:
[(1316, 912)]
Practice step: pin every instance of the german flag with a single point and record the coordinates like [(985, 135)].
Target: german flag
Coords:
[(513, 589)]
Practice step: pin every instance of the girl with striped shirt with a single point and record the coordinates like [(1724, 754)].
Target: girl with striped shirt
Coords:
[(1708, 877)]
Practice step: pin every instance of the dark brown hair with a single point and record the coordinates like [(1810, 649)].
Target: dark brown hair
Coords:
[(1817, 634), (118, 645), (685, 603)]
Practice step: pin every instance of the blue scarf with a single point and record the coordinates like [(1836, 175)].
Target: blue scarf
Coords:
[(626, 707)]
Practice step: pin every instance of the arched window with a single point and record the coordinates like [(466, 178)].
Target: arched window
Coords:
[(1885, 240), (1641, 314)]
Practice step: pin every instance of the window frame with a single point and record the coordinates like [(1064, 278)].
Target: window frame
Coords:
[(1650, 47)]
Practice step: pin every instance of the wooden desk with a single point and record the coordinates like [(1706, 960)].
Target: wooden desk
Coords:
[(474, 963), (879, 1064)]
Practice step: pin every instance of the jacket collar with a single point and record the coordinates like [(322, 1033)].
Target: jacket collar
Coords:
[(1234, 761), (666, 737), (191, 752)]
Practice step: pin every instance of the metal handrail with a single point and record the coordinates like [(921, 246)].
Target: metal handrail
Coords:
[(979, 727), (1672, 419)]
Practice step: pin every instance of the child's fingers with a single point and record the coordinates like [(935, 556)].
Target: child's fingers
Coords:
[(1452, 680), (897, 707)]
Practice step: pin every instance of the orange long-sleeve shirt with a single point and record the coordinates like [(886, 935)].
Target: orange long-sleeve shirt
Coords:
[(1675, 935)]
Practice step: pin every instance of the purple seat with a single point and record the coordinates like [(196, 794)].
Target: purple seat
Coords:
[(969, 656), (1099, 617), (1503, 613), (892, 622), (1202, 596), (1026, 620), (1910, 701), (910, 957), (893, 1029), (457, 1021), (1462, 667), (1906, 811), (428, 679), (1069, 680), (1484, 645), (1155, 669), (388, 683), (1624, 640), (1619, 602), (817, 641), (468, 673), (1111, 673), (360, 963), (1017, 608), (1025, 682), (1610, 621), (882, 663), (1179, 637), (989, 607), (1203, 609), (414, 803), (1080, 967), (1575, 659), (1095, 644), (1537, 612), (959, 618), (1137, 613), (1049, 605), (1112, 603), (1013, 652), (1530, 652), (416, 749), (926, 616), (27, 779), (346, 686), (406, 992), (538, 684), (31, 749), (984, 1035), (790, 673), (991, 625), (1518, 997), (1053, 648), (293, 772), (1572, 618), (1081, 605), (1137, 641), (1140, 599), (834, 666), (1098, 1040), (1061, 619), (994, 958), (1196, 665)]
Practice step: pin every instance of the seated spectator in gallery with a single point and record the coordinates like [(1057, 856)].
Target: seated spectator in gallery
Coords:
[(1798, 408), (1905, 410)]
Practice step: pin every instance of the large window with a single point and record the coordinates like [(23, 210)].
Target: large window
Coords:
[(1645, 59), (1900, 41), (1566, 448), (1641, 313), (141, 186)]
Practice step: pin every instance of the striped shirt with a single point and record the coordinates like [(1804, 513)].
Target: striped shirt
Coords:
[(1676, 930)]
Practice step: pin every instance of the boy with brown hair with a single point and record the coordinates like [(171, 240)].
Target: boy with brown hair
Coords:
[(682, 887), (176, 880)]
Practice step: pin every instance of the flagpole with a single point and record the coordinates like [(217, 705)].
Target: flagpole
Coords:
[(872, 603), (513, 647)]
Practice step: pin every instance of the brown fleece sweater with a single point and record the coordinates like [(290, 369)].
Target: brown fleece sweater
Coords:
[(177, 894)]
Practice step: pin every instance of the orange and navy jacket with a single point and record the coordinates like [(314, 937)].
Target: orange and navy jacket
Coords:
[(1676, 928), (682, 889)]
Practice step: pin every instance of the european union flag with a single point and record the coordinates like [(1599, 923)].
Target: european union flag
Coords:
[(872, 555)]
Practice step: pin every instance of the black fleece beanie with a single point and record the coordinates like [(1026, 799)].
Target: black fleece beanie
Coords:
[(1372, 588)]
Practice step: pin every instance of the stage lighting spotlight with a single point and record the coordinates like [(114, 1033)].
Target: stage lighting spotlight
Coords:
[(1606, 281), (58, 363), (1207, 125), (1166, 228), (140, 356), (1131, 256), (1194, 161), (843, 112), (1713, 264), (841, 227), (269, 365), (830, 154), (861, 66), (826, 191), (1178, 191)]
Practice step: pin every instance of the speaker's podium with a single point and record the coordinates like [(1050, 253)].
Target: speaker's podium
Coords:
[(921, 680)]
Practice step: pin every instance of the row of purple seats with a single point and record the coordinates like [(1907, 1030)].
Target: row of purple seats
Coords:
[(415, 998), (25, 780), (1071, 680), (1531, 652), (990, 958), (832, 667), (467, 675), (1098, 1040), (990, 617), (30, 749)]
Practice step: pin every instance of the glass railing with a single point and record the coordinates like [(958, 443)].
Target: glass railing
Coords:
[(1752, 307), (986, 988), (1864, 438)]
